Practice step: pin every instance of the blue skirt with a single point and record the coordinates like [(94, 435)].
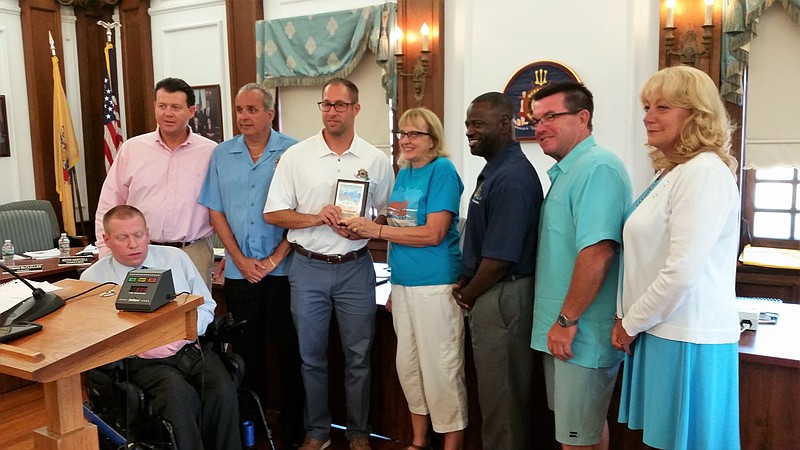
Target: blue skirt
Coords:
[(683, 395)]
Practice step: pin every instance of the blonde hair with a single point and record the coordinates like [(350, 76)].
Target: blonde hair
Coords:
[(435, 131), (708, 128)]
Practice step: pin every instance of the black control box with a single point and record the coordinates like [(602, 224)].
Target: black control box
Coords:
[(145, 290)]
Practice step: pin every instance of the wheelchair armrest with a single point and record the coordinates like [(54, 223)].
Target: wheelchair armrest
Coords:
[(235, 365), (223, 330)]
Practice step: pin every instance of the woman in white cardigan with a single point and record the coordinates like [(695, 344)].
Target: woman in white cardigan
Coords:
[(677, 319)]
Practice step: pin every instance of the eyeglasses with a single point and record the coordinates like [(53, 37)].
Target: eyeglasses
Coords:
[(548, 119), (338, 106), (411, 134)]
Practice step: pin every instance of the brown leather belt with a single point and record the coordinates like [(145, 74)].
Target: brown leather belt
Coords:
[(330, 259), (176, 244)]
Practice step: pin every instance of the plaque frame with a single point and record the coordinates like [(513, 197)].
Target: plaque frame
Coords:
[(351, 197)]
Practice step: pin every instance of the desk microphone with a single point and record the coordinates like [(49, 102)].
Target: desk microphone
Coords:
[(39, 304)]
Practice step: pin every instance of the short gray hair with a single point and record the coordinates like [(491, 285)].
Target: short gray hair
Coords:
[(269, 102)]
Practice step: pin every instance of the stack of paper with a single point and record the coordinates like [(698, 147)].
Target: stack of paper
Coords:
[(15, 291), (781, 258), (88, 250), (43, 254)]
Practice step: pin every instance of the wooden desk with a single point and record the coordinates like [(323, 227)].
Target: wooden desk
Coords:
[(769, 381), (51, 271), (755, 281), (86, 333)]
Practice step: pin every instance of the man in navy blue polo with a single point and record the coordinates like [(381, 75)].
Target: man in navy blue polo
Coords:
[(496, 284)]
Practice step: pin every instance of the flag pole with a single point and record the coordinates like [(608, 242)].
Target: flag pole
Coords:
[(112, 136), (65, 145), (109, 26)]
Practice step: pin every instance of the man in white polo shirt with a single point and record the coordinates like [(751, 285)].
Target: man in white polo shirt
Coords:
[(331, 269)]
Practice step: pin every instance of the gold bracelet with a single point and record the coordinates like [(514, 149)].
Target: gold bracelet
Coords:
[(273, 262), (380, 230)]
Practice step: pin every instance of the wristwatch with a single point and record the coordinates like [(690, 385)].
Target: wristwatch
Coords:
[(566, 322)]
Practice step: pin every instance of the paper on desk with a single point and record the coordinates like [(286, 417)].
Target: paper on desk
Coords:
[(781, 258), (43, 254), (88, 250), (15, 291)]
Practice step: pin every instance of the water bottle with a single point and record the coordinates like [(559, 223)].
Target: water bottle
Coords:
[(63, 246), (8, 253)]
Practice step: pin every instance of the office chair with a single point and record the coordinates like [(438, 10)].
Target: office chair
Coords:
[(52, 220), (124, 407), (28, 230)]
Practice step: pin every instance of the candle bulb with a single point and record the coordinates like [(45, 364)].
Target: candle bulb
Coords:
[(670, 8), (424, 31), (709, 12), (398, 41)]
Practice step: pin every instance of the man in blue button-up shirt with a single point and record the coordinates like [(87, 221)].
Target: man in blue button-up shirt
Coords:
[(256, 285)]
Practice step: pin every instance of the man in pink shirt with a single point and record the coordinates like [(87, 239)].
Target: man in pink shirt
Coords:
[(161, 174)]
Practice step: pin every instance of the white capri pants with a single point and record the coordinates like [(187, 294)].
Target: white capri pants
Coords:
[(430, 354)]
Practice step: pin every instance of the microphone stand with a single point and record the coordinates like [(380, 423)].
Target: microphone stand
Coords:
[(37, 305)]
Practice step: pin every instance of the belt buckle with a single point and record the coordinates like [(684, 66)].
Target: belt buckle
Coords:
[(334, 259)]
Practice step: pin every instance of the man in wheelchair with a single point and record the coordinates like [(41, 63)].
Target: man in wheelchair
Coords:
[(187, 386)]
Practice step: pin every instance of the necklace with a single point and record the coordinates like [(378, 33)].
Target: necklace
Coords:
[(256, 156)]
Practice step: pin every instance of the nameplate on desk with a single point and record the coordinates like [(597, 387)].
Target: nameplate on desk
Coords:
[(74, 260), (28, 267)]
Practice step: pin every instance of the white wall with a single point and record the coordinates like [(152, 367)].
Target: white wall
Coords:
[(16, 181), (190, 41), (612, 46), (301, 117)]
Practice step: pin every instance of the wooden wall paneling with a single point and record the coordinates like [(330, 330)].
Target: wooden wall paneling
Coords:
[(137, 64), (37, 18), (689, 15), (91, 64), (410, 16), (242, 17)]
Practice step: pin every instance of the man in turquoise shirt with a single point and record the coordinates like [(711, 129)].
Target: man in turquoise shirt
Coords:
[(256, 283), (577, 265)]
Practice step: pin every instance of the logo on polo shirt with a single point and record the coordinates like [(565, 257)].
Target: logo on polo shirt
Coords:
[(362, 174), (478, 194)]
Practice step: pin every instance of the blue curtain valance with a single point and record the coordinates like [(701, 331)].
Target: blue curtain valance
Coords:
[(310, 50), (739, 27)]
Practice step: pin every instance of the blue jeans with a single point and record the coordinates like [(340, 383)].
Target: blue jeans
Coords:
[(318, 289)]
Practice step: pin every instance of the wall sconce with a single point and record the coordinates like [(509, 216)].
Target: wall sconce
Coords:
[(689, 52), (420, 72)]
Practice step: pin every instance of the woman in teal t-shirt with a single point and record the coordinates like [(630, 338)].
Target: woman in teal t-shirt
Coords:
[(425, 260)]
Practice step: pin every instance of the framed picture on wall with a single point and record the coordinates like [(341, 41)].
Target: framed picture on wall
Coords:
[(526, 82), (5, 146), (207, 120)]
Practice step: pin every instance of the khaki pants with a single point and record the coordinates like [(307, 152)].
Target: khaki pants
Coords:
[(202, 255)]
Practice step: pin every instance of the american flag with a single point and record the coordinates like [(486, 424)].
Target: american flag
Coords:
[(111, 128)]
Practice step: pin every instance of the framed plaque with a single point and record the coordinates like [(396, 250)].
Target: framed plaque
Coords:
[(351, 196)]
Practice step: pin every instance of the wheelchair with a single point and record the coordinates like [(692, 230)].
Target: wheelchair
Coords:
[(121, 411)]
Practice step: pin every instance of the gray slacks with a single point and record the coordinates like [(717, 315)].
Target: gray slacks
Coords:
[(500, 325)]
